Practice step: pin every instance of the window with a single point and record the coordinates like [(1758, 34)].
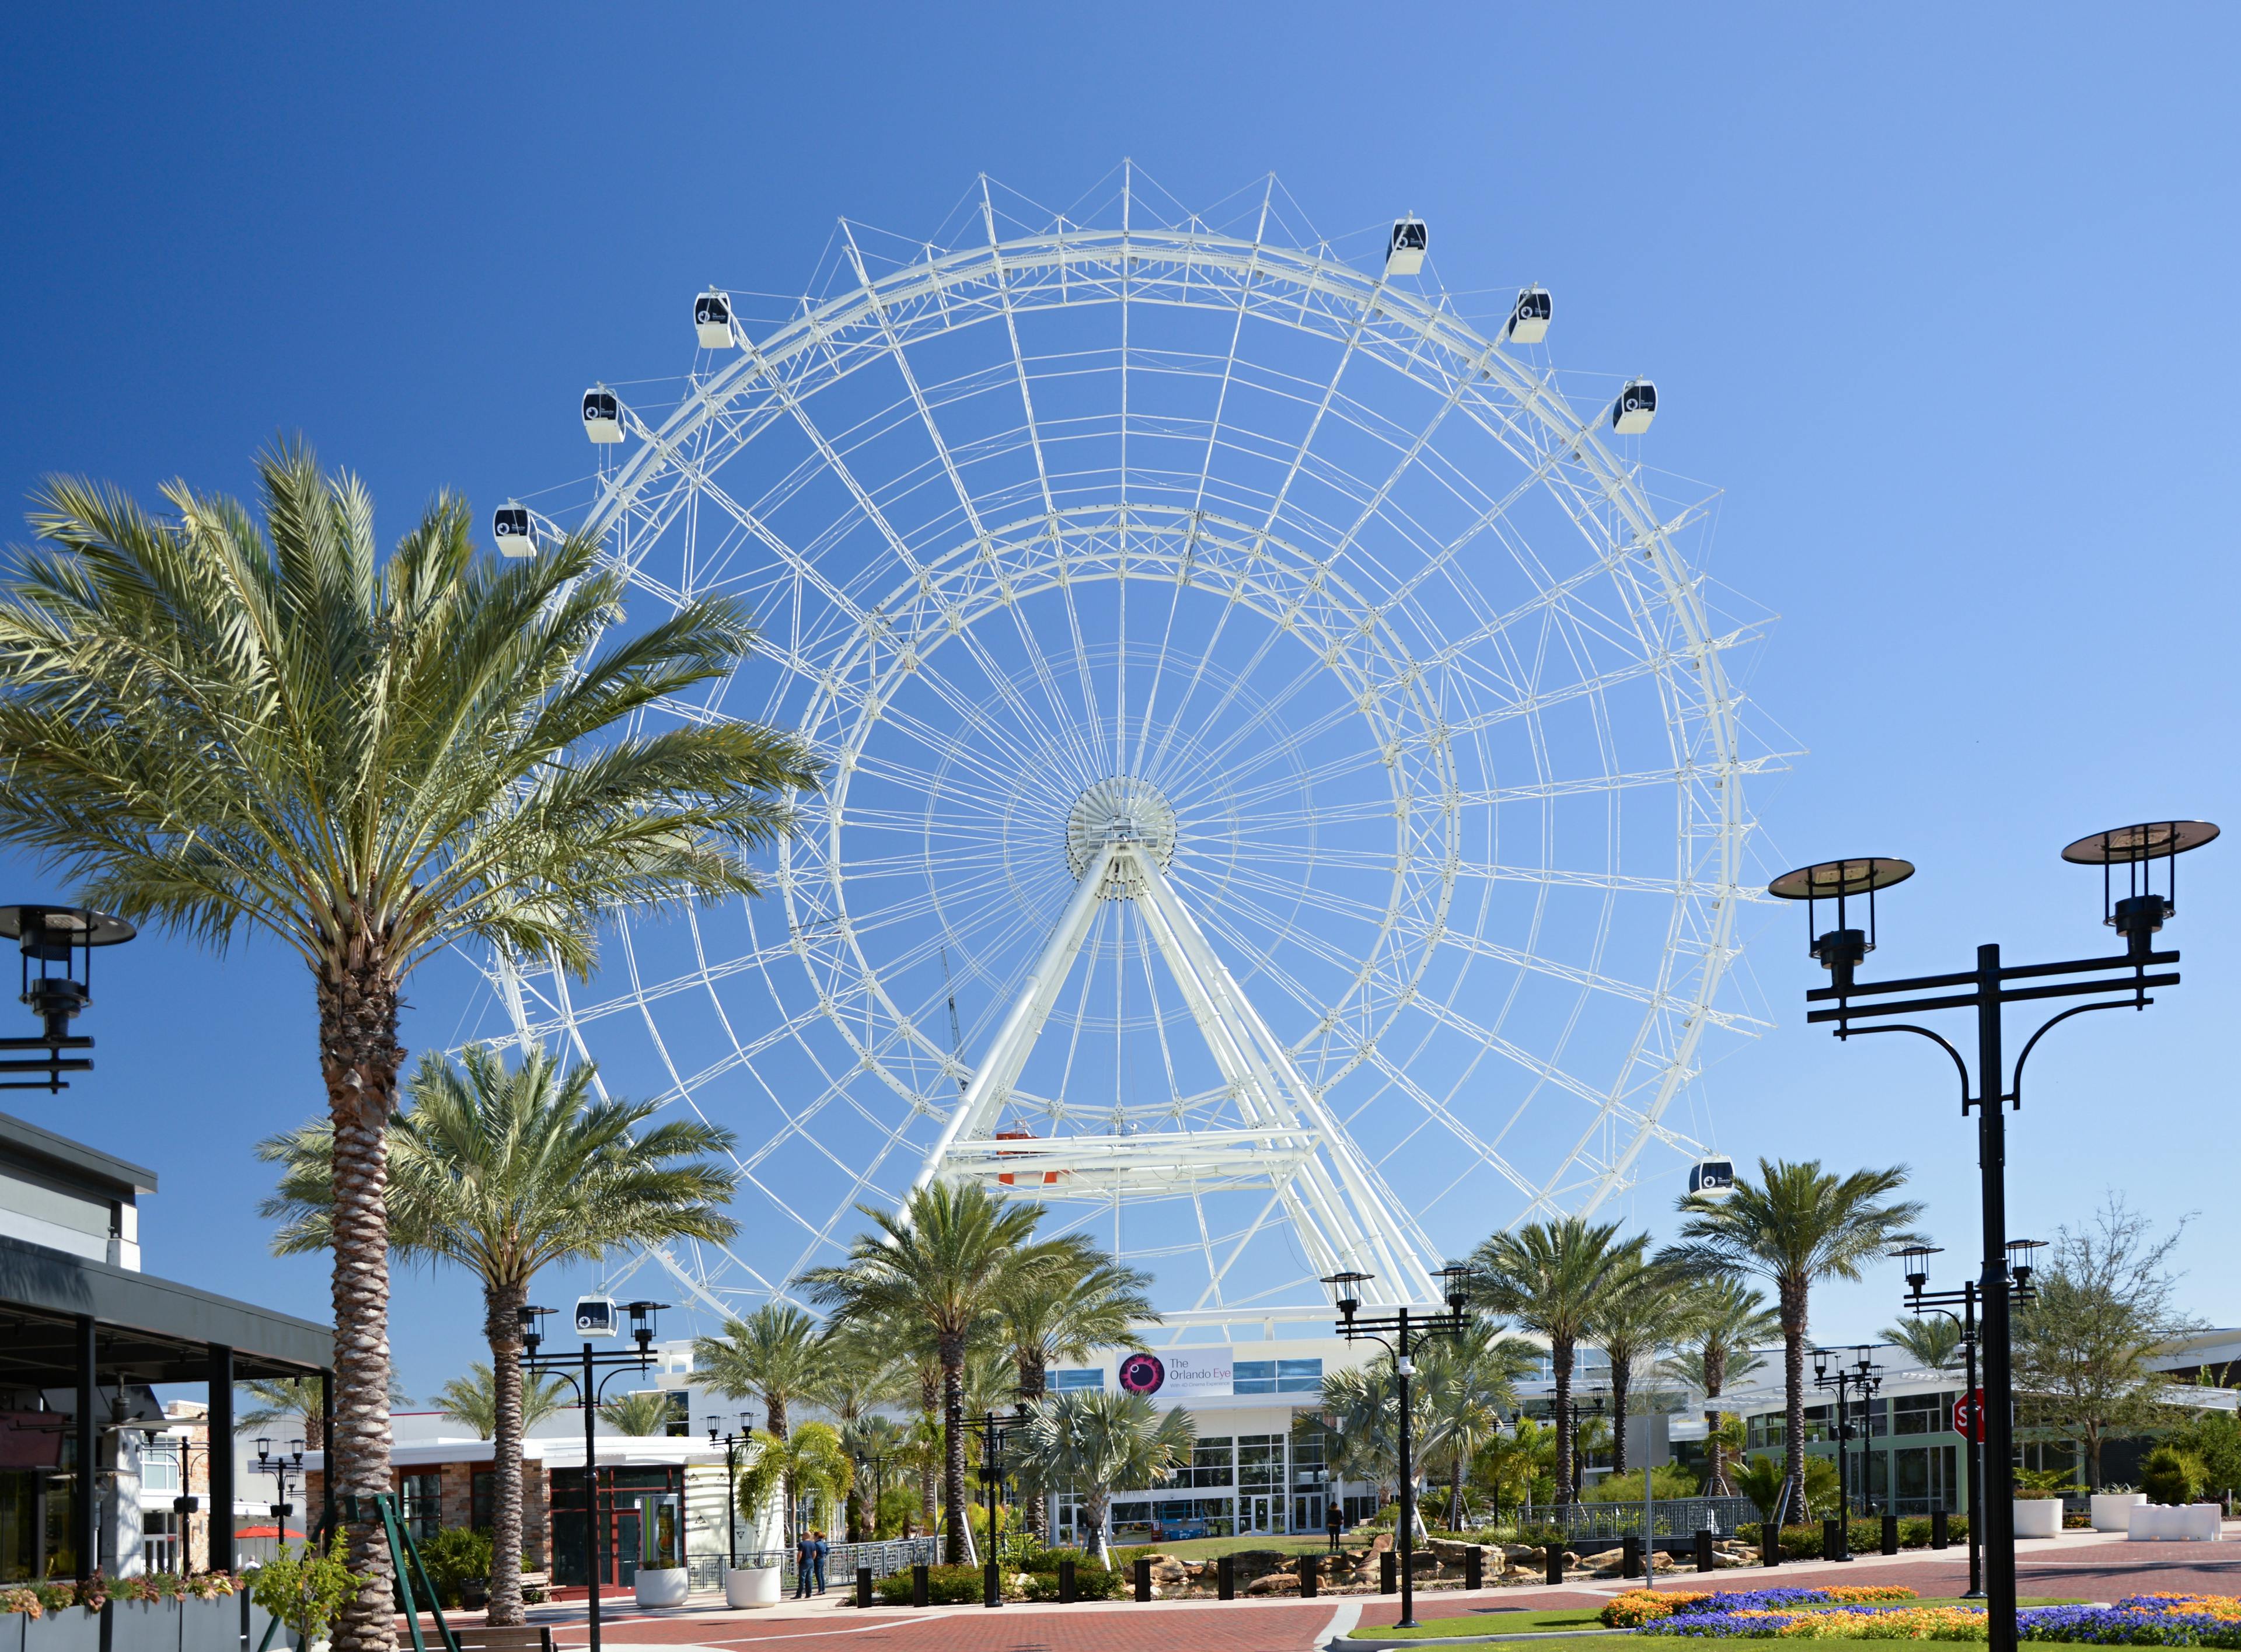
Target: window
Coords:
[(423, 1505), (1299, 1376), (1308, 1457), (159, 1542), (483, 1507), (159, 1468), (1253, 1376), (1209, 1466), (1259, 1461), (1921, 1413), (1075, 1381)]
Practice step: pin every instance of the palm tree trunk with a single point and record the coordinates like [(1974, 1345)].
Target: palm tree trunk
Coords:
[(953, 1448), (359, 1061), (1034, 1382), (1793, 1379), (1621, 1370), (1560, 1357), (774, 1420), (1715, 1466), (502, 1306)]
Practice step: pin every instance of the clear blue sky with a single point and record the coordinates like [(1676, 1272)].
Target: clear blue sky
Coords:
[(1942, 298)]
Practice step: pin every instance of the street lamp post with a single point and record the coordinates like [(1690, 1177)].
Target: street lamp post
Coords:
[(731, 1442), (280, 1467), (2122, 982), (1588, 1405), (1863, 1377), (877, 1461), (1916, 1259), (995, 1433), (1394, 1331), (583, 1374), (58, 944)]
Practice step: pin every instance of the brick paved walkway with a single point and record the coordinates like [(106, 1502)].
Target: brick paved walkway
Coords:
[(2079, 1567)]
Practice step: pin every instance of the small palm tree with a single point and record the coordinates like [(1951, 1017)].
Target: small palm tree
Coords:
[(641, 1414), (1092, 1443), (776, 1354), (1546, 1277), (1797, 1224), (809, 1461), (504, 1172), (218, 724), (1731, 1323), (879, 1447), (1466, 1384), (1085, 1302), (472, 1400), (1934, 1343), (945, 1260), (294, 1402), (1645, 1307)]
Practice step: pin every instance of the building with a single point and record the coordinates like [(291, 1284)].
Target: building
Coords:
[(94, 1473)]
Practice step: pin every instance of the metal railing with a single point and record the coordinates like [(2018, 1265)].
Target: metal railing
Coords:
[(1674, 1517), (885, 1558)]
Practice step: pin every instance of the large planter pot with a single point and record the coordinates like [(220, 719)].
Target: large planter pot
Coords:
[(2038, 1517), (71, 1629), (746, 1586), (2112, 1510), (2196, 1523), (662, 1585)]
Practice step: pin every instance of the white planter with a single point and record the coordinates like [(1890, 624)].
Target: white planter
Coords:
[(662, 1585), (750, 1585), (2197, 1523), (2112, 1510), (2038, 1517)]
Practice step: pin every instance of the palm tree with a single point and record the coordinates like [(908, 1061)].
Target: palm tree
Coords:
[(472, 1400), (220, 724), (1731, 1322), (775, 1353), (1466, 1382), (296, 1402), (874, 1445), (1646, 1306), (1797, 1224), (504, 1172), (811, 1460), (1092, 1441), (1934, 1344), (945, 1260), (642, 1413), (1546, 1277)]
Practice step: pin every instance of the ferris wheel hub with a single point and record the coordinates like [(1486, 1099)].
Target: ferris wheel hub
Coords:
[(1120, 809)]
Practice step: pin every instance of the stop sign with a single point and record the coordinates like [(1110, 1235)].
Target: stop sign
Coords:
[(1968, 1416)]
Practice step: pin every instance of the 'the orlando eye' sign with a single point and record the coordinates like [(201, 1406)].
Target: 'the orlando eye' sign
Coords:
[(1182, 1374)]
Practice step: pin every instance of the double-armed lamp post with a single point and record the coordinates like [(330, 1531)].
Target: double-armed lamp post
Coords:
[(583, 1373), (2120, 981), (731, 1442), (1861, 1379), (280, 1467), (1399, 1332)]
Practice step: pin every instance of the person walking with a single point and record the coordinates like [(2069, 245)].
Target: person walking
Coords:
[(804, 1563), (819, 1548), (1335, 1522)]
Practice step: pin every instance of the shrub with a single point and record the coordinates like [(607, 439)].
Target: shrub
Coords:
[(452, 1556), (1091, 1582), (944, 1585), (2172, 1476), (305, 1589)]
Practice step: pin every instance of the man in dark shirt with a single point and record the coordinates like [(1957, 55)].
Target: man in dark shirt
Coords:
[(818, 1550), (803, 1565), (1335, 1522)]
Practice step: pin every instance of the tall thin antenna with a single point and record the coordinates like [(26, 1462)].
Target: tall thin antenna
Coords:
[(956, 1035)]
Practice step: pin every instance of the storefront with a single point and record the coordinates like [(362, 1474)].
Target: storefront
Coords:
[(641, 1519)]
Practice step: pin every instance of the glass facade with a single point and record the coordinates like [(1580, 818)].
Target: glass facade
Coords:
[(1276, 1376), (640, 1512), (421, 1505), (1074, 1382)]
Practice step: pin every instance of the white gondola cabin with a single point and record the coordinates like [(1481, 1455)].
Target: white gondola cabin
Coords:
[(1636, 406), (1404, 253), (603, 415), (1714, 1178), (712, 320), (1529, 320), (515, 533)]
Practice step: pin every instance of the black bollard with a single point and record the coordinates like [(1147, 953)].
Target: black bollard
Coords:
[(1703, 1550), (1474, 1567), (863, 1586), (1937, 1536), (918, 1586), (1388, 1573), (1832, 1540), (1629, 1556), (1890, 1533), (1068, 1592), (1224, 1578), (1143, 1578), (1310, 1574), (1770, 1543), (1555, 1563)]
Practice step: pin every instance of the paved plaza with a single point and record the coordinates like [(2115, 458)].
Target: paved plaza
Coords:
[(2087, 1565)]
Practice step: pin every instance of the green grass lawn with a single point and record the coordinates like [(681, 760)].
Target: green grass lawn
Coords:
[(1497, 1620)]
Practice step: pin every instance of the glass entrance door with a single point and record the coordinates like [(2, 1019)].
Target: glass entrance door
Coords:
[(1262, 1513)]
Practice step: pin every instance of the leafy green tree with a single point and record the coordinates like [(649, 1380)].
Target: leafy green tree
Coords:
[(1461, 1388), (2106, 1298), (639, 1413), (218, 724), (2213, 1439), (1731, 1324), (776, 1353), (1548, 1276), (878, 1447), (1519, 1467), (945, 1261), (504, 1171), (1645, 1307), (1933, 1343), (293, 1402), (1795, 1225), (472, 1400), (306, 1587), (1084, 1301), (809, 1462), (1092, 1443)]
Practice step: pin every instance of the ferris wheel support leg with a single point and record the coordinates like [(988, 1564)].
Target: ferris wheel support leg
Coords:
[(1016, 1038)]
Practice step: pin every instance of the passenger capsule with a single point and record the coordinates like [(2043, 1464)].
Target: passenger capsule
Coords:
[(1714, 1178), (603, 415), (1636, 406), (1404, 253), (1528, 321), (712, 320), (510, 527)]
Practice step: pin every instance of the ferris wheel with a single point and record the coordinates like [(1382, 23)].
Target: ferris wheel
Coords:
[(1283, 804)]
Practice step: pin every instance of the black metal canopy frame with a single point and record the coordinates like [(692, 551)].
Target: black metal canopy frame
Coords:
[(2121, 981)]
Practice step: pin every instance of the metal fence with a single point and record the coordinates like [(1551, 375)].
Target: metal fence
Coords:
[(895, 1555), (1675, 1517)]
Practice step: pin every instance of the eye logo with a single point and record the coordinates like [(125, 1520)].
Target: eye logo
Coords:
[(1142, 1373)]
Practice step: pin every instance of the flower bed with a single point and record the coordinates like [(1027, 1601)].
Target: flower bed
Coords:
[(2137, 1620), (2140, 1619), (1637, 1607)]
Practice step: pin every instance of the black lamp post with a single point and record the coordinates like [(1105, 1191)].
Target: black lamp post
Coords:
[(1916, 1259), (995, 1433), (1394, 1331), (877, 1461), (731, 1442), (582, 1373), (280, 1468), (1862, 1377), (1588, 1405), (2121, 981), (59, 941)]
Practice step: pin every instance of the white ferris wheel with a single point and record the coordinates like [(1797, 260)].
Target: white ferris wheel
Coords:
[(1284, 804)]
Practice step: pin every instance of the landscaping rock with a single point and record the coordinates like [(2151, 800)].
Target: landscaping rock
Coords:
[(1274, 1583)]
